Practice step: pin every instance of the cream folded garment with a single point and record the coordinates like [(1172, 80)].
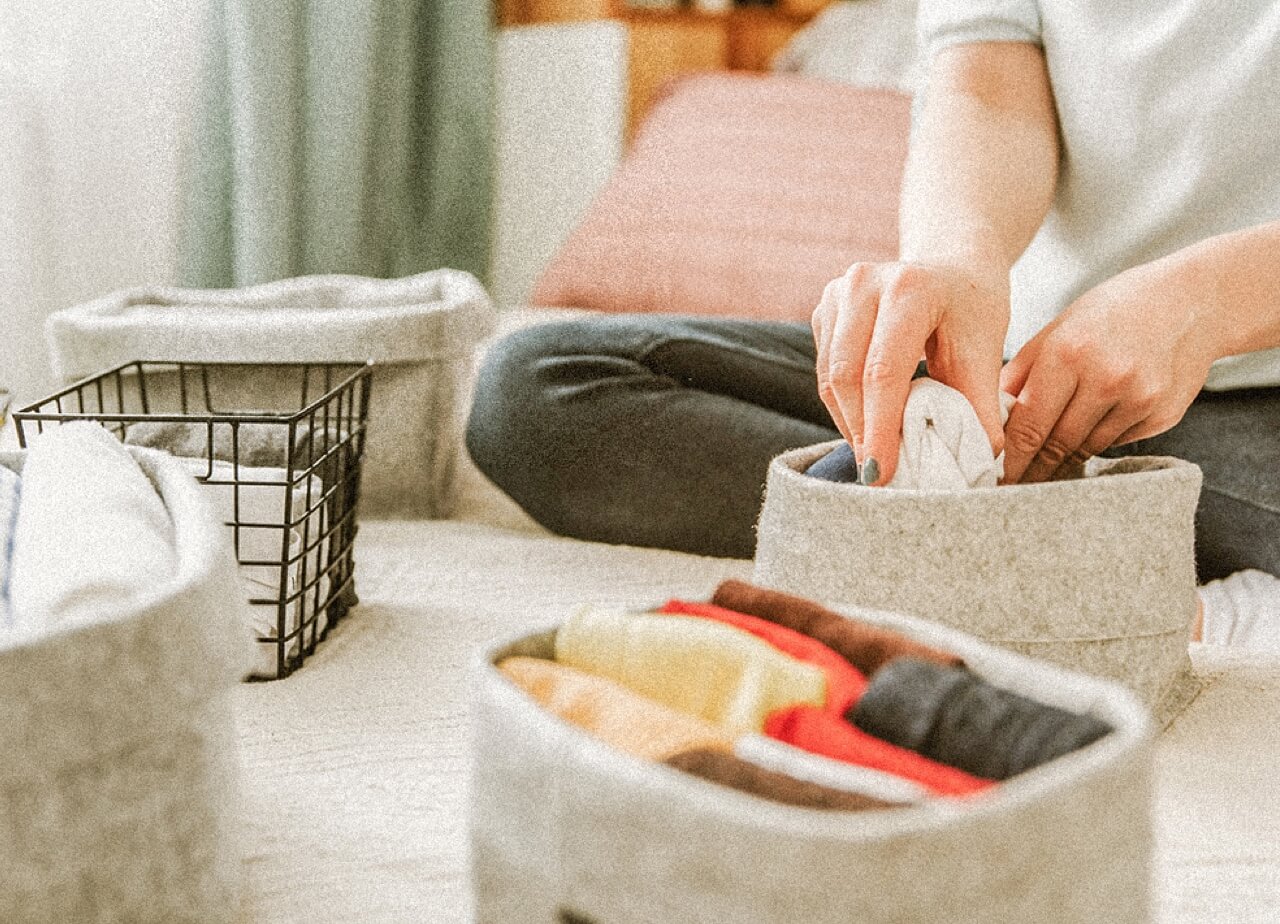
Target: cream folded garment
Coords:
[(699, 667), (944, 446), (91, 534)]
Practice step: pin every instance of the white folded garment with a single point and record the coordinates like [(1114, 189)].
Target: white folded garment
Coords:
[(944, 446), (1243, 610), (261, 515), (823, 771), (91, 535), (10, 490)]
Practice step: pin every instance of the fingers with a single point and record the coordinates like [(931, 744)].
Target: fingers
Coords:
[(842, 330), (1043, 398), (1106, 434), (1065, 445), (897, 343)]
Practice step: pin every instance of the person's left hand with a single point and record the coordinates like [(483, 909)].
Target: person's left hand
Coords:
[(1121, 363)]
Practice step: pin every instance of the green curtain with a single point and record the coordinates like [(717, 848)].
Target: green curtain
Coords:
[(349, 136)]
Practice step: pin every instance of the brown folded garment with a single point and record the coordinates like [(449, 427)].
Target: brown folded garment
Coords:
[(866, 647), (727, 770)]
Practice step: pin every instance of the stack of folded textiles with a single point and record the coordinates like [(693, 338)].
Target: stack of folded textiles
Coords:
[(779, 697)]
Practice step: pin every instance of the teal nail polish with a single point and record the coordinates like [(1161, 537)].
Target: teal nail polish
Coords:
[(870, 472)]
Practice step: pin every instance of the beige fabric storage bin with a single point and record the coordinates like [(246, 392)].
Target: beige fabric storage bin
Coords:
[(567, 830), (420, 330), (1096, 574), (118, 769)]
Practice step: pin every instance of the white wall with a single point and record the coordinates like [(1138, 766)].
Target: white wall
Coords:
[(561, 113), (96, 106)]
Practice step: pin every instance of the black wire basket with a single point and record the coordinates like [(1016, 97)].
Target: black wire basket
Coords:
[(279, 446)]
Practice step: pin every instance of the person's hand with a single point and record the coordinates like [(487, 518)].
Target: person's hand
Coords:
[(1122, 363), (872, 327)]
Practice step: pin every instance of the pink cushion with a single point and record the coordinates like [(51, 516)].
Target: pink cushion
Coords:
[(743, 195)]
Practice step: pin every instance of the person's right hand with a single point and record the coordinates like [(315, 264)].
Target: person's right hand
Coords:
[(872, 327)]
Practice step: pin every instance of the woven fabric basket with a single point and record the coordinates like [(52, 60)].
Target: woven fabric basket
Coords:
[(420, 330), (566, 830), (1096, 574), (118, 770)]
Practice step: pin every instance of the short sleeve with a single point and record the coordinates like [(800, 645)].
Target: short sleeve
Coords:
[(942, 23)]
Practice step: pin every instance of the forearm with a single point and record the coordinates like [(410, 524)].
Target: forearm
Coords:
[(983, 162), (1234, 279)]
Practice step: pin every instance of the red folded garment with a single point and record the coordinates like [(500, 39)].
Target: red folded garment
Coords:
[(845, 683), (866, 647), (819, 731)]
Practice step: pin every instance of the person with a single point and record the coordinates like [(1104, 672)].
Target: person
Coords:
[(1090, 221)]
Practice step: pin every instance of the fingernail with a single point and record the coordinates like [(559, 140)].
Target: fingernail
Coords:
[(870, 473)]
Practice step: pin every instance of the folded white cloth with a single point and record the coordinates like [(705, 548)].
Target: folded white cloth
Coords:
[(91, 535), (822, 771), (1243, 610), (10, 490), (944, 446), (261, 515)]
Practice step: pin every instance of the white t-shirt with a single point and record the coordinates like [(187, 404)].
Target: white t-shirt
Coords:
[(1170, 119)]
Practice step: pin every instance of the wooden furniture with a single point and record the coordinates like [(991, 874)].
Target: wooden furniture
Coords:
[(665, 43)]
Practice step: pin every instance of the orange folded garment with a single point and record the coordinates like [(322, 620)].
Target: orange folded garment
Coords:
[(845, 683), (727, 770), (820, 732), (611, 712), (866, 647)]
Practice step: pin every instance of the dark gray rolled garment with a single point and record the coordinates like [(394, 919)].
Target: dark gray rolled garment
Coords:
[(953, 716)]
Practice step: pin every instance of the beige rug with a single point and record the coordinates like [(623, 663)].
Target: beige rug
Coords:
[(355, 767)]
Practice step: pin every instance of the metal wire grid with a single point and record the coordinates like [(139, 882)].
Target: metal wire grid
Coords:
[(322, 431)]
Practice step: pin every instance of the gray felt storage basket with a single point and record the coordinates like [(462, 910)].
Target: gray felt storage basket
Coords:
[(566, 829), (420, 330), (1096, 574), (118, 770)]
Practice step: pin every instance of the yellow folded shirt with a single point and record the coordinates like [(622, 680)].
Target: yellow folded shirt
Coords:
[(611, 712), (700, 667)]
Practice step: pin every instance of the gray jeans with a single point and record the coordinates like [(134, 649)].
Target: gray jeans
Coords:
[(657, 430)]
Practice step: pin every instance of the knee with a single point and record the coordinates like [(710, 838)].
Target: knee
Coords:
[(513, 410)]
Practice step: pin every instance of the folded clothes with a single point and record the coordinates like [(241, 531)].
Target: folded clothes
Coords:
[(731, 771), (944, 446), (820, 732), (866, 647), (770, 754), (91, 535), (10, 492), (253, 444), (700, 667), (611, 712), (845, 682), (955, 717)]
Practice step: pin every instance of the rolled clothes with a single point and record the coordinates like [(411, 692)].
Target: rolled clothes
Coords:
[(736, 773), (944, 446), (703, 668), (91, 534), (10, 493), (611, 712), (955, 717), (820, 732), (773, 755), (866, 647), (845, 682)]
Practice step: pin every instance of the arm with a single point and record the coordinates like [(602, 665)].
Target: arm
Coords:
[(980, 177), (1126, 359)]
